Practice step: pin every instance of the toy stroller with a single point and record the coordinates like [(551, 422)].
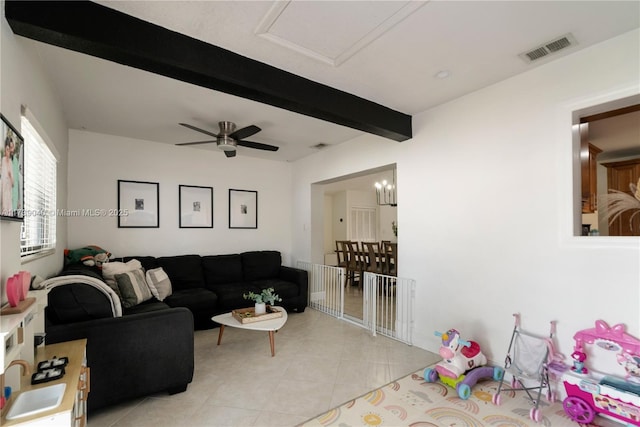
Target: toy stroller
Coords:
[(527, 361)]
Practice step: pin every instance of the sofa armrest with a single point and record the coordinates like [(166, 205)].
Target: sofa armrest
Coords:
[(134, 355), (297, 276)]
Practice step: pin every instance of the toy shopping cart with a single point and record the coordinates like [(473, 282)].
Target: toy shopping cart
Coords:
[(527, 363)]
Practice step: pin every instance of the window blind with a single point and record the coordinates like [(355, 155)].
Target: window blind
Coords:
[(38, 232), (362, 226)]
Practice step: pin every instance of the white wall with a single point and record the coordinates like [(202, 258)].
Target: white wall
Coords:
[(23, 82), (386, 216), (98, 161), (485, 213)]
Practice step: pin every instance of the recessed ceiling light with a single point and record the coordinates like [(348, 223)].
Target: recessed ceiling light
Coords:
[(443, 74)]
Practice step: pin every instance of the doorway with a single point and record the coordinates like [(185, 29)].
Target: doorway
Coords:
[(351, 212)]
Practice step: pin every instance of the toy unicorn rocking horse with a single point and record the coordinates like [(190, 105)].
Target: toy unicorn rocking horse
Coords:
[(462, 365)]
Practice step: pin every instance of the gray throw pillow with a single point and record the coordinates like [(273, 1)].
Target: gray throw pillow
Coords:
[(133, 288)]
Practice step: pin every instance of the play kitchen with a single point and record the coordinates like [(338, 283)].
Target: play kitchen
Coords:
[(41, 385)]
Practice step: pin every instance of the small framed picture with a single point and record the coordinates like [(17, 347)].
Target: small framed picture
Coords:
[(138, 204), (196, 206), (243, 209), (11, 172)]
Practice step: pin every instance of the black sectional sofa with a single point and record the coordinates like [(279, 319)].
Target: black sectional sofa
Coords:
[(214, 284), (149, 349)]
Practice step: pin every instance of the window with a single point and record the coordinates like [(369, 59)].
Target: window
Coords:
[(38, 233), (362, 226)]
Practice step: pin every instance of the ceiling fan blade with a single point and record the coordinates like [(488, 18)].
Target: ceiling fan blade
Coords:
[(196, 142), (245, 132), (230, 153), (206, 132), (259, 146)]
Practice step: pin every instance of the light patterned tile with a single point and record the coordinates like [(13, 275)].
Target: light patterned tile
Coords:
[(320, 362)]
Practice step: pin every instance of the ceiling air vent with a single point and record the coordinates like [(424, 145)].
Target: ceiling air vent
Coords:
[(320, 146), (548, 48)]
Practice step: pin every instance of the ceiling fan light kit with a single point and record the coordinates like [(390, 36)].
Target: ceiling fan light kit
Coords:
[(229, 138)]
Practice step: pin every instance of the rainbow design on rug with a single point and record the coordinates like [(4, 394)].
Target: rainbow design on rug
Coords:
[(395, 386), (329, 417), (503, 420), (441, 389), (409, 402), (417, 377), (374, 397), (398, 411), (466, 405), (450, 416)]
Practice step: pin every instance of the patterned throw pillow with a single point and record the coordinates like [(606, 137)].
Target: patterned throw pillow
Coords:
[(133, 288), (110, 269), (159, 283)]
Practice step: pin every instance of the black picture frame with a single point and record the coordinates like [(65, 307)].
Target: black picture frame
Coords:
[(195, 206), (13, 148), (138, 204), (243, 209)]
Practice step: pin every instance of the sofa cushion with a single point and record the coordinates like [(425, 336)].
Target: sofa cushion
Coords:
[(258, 265), (145, 307), (76, 302), (148, 262), (159, 283), (133, 288), (222, 269), (193, 299), (230, 295), (184, 271), (281, 288)]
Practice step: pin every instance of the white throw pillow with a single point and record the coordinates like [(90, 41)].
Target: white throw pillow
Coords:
[(110, 269), (159, 283)]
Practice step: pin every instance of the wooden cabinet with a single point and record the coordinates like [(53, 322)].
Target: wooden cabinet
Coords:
[(619, 176), (588, 157), (82, 394)]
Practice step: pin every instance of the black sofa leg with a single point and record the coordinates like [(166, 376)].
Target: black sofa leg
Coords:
[(178, 389)]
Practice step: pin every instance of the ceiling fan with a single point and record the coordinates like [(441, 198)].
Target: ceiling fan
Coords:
[(229, 138)]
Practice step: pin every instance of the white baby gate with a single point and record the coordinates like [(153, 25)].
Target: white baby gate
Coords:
[(387, 303)]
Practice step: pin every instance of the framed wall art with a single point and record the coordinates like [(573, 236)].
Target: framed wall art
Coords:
[(11, 172), (243, 209), (196, 206), (138, 204)]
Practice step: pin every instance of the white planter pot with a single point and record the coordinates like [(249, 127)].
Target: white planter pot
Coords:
[(261, 308)]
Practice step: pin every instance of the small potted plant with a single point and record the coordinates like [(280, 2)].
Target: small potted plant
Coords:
[(261, 299)]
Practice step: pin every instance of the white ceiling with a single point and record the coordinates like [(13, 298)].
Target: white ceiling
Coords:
[(387, 52)]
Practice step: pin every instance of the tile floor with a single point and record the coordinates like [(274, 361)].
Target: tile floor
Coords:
[(320, 362)]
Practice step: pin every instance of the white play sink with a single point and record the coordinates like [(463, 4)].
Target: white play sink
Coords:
[(35, 401)]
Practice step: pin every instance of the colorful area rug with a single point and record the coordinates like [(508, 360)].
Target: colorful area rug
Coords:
[(410, 401)]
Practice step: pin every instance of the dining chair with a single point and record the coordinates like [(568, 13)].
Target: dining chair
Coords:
[(341, 252), (373, 257), (391, 251), (354, 263)]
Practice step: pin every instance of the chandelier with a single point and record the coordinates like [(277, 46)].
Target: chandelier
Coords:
[(386, 192)]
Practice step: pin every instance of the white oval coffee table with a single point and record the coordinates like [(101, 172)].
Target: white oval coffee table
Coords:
[(270, 325)]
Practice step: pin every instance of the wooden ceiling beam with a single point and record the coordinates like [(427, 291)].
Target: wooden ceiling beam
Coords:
[(96, 30)]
